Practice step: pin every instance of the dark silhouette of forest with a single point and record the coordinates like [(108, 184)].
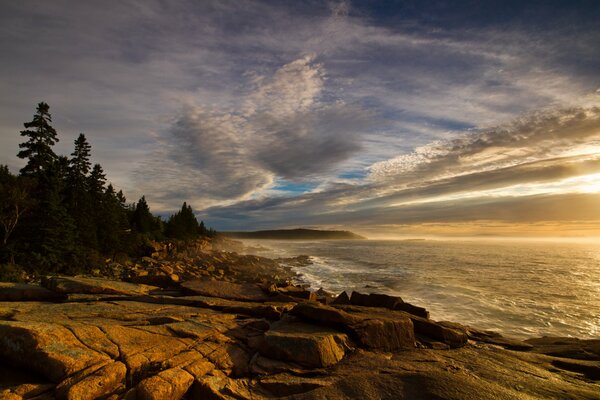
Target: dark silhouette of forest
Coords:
[(59, 215)]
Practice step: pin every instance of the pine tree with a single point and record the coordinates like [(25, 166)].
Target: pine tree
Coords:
[(183, 224), (50, 230), (142, 220), (78, 196), (41, 137), (113, 228)]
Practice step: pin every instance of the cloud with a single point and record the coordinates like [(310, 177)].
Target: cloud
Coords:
[(527, 170), (233, 100), (282, 129), (529, 138)]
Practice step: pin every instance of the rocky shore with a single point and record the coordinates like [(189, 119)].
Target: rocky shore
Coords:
[(204, 322)]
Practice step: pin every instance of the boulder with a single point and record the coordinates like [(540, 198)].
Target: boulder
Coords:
[(342, 299), (79, 284), (168, 384), (307, 345), (414, 310), (225, 290), (25, 292), (451, 335), (386, 301), (381, 332), (93, 383), (295, 291), (374, 300), (385, 334)]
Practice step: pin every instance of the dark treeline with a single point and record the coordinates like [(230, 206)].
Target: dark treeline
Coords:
[(59, 215)]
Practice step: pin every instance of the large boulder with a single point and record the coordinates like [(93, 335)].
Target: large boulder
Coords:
[(168, 384), (386, 301), (379, 332), (225, 290), (307, 345), (79, 284)]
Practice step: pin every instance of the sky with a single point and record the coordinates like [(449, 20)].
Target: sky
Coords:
[(389, 118)]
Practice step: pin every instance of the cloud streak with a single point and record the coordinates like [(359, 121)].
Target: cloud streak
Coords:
[(280, 113)]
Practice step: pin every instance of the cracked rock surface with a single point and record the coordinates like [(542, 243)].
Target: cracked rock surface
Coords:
[(105, 339)]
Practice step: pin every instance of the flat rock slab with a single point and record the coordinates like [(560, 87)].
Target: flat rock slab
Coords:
[(50, 349), (226, 290), (567, 347), (25, 292), (85, 285)]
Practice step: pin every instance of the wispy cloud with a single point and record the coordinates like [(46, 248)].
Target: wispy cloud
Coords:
[(279, 113), (283, 129)]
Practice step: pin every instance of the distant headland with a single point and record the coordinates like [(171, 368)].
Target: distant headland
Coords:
[(296, 234)]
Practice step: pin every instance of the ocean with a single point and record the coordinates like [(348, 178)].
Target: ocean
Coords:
[(519, 289)]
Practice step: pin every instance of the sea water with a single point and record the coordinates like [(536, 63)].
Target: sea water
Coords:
[(519, 289)]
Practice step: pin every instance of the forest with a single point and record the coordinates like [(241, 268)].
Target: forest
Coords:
[(59, 214)]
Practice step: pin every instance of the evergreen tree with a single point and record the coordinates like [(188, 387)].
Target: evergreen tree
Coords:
[(41, 137), (50, 230), (113, 228), (142, 220), (183, 224), (80, 163), (78, 196)]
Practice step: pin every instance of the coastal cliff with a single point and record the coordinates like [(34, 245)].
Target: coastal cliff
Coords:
[(201, 321)]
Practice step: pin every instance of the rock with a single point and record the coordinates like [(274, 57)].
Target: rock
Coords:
[(497, 339), (414, 310), (86, 285), (295, 291), (225, 290), (26, 292), (567, 347), (47, 348), (38, 391), (387, 333), (341, 299), (222, 388), (451, 335), (374, 300), (107, 379), (168, 384), (286, 385), (163, 280), (304, 344), (385, 301)]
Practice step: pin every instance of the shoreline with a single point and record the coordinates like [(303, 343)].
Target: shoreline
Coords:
[(466, 286), (211, 323)]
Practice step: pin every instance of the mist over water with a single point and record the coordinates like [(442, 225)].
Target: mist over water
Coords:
[(518, 289)]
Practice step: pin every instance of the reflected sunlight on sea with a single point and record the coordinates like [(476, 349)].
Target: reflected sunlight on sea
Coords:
[(518, 289)]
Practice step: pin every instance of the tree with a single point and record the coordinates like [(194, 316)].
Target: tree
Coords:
[(41, 137), (14, 201), (113, 227), (78, 197), (183, 224), (80, 163), (142, 220), (50, 230)]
